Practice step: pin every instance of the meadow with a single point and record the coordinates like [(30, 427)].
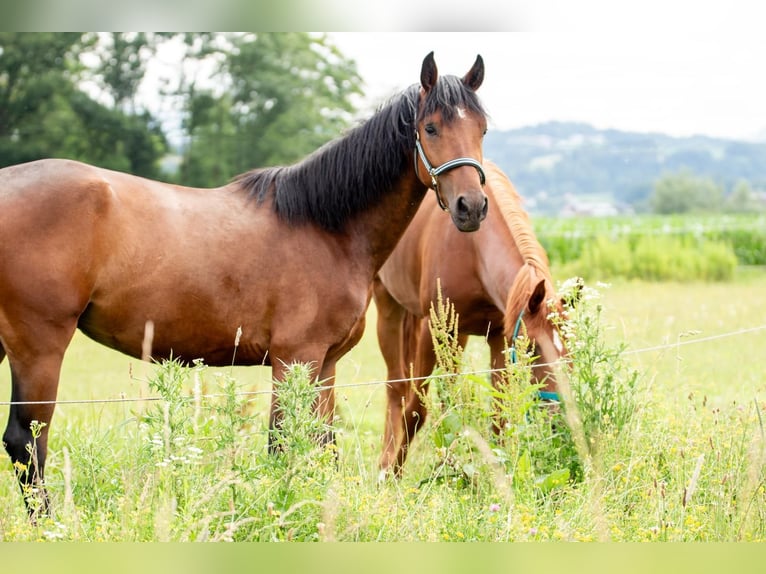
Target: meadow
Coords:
[(670, 445)]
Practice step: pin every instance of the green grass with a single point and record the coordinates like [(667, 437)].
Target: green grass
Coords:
[(566, 239), (689, 466)]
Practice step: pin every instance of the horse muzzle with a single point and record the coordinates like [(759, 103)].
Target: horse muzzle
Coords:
[(469, 211)]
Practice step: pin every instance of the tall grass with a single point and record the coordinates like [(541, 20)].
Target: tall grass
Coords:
[(654, 258), (568, 240), (674, 444)]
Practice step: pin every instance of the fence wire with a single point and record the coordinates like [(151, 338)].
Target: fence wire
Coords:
[(337, 387)]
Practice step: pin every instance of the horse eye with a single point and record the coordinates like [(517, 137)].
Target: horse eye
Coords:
[(430, 129), (484, 132)]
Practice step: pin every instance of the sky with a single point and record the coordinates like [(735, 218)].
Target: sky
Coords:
[(678, 81)]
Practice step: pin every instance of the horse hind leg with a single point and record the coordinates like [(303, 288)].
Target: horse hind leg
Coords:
[(395, 345), (416, 411)]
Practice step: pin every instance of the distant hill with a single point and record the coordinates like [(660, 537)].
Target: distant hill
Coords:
[(558, 163)]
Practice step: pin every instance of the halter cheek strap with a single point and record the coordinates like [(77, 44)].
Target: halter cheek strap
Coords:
[(542, 395), (435, 172), (514, 358)]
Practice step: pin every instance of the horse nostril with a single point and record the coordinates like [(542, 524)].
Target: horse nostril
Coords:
[(485, 208), (462, 206)]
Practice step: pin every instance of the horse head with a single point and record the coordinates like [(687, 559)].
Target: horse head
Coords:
[(541, 313), (451, 124)]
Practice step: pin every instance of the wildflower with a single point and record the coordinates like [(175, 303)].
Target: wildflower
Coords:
[(494, 507)]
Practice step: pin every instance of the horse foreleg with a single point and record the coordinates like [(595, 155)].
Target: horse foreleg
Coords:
[(33, 398), (279, 371), (322, 363), (325, 403), (497, 364)]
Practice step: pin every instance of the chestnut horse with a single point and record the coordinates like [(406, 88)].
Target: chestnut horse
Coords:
[(287, 253), (497, 279)]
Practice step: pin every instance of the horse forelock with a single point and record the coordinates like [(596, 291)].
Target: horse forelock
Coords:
[(451, 97)]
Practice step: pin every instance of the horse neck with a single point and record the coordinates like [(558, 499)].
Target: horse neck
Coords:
[(378, 229), (499, 259)]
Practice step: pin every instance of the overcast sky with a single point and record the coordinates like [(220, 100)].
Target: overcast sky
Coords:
[(671, 81)]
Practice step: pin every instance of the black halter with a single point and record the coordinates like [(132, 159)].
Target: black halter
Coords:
[(434, 172)]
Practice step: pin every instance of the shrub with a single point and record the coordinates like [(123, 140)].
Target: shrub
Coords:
[(655, 258)]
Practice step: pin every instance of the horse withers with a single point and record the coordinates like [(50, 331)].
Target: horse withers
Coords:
[(286, 254), (497, 279)]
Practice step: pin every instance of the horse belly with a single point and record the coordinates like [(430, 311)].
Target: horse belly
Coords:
[(147, 327)]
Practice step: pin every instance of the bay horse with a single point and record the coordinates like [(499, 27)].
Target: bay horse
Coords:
[(288, 254), (497, 279)]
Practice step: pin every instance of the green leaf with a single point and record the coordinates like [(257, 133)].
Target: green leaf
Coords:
[(556, 479)]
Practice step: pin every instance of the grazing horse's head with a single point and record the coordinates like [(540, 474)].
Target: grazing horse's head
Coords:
[(534, 307), (451, 124)]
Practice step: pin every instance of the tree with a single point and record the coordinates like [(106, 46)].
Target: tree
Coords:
[(280, 96), (44, 112), (742, 199), (124, 57), (683, 192), (35, 81)]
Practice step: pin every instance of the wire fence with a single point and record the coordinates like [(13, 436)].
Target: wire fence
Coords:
[(126, 399)]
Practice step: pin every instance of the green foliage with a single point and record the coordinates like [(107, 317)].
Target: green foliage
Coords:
[(689, 465), (533, 444), (742, 199), (684, 192), (191, 466), (45, 112), (302, 467), (287, 94), (457, 405), (609, 240), (603, 386), (123, 63), (544, 447), (655, 258), (278, 97)]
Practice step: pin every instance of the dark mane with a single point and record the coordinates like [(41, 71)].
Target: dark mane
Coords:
[(349, 174)]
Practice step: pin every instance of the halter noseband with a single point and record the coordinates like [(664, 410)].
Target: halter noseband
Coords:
[(435, 172), (542, 395)]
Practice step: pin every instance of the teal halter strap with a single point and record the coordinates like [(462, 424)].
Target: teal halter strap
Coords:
[(516, 334), (543, 395)]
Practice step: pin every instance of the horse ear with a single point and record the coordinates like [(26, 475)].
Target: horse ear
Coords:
[(537, 298), (428, 73), (475, 75)]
